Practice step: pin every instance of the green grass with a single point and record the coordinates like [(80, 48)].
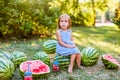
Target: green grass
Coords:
[(104, 39)]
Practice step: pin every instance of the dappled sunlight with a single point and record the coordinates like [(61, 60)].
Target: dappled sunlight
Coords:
[(96, 43), (5, 45), (105, 24), (109, 47), (34, 44), (78, 39), (81, 42), (105, 39), (76, 34)]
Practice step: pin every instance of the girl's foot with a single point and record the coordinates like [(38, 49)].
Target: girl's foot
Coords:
[(70, 69)]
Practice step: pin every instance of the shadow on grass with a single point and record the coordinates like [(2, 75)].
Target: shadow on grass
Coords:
[(104, 39)]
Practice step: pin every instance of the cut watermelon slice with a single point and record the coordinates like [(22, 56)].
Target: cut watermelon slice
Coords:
[(37, 67), (110, 62)]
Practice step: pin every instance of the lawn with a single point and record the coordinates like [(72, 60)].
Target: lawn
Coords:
[(104, 39)]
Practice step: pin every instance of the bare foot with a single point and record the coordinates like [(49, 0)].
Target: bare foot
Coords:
[(70, 69)]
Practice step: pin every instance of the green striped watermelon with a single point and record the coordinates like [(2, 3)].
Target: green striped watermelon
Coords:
[(7, 55), (49, 46), (19, 57), (63, 60), (42, 56), (6, 69), (89, 56), (38, 68), (110, 62)]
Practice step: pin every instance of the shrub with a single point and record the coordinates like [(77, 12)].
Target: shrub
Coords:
[(117, 17)]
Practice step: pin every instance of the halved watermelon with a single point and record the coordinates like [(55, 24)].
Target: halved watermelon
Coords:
[(110, 62), (37, 67)]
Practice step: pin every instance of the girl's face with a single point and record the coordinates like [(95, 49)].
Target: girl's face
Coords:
[(64, 22)]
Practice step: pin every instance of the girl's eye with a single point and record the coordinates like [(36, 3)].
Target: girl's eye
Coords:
[(66, 21), (61, 21)]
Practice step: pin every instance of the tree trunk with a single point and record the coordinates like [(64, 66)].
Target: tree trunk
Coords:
[(94, 12)]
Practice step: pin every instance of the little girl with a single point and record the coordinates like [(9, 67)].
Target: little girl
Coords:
[(66, 45)]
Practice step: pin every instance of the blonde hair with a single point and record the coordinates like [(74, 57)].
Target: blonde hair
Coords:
[(69, 19)]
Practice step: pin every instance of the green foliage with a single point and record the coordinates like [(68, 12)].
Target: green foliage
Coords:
[(83, 19), (81, 11), (23, 18), (117, 17)]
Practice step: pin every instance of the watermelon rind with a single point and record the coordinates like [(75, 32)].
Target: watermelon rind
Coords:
[(19, 57), (89, 56), (49, 46), (6, 69), (35, 75), (113, 65), (63, 60), (42, 56), (6, 55)]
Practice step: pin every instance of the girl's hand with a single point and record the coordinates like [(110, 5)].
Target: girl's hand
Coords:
[(72, 46)]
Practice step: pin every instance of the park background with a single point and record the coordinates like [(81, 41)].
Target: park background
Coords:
[(27, 18)]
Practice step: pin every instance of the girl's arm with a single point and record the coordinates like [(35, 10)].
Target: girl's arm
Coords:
[(61, 42), (72, 38)]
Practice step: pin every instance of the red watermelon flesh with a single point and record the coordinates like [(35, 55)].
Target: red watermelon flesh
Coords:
[(36, 67), (111, 59)]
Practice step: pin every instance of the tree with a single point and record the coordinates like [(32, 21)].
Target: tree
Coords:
[(94, 12)]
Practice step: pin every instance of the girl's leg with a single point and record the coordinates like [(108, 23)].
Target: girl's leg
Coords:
[(72, 59), (78, 60)]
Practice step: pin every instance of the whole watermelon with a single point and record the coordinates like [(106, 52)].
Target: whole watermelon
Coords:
[(38, 68), (89, 56), (49, 46), (6, 55), (63, 60), (6, 69), (110, 62), (19, 57), (42, 56)]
